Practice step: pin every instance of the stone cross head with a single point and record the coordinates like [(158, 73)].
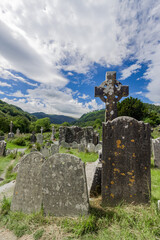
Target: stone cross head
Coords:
[(111, 91)]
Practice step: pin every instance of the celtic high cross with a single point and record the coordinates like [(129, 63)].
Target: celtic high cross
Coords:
[(111, 91)]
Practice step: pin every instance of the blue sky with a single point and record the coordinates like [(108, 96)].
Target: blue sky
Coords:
[(53, 53)]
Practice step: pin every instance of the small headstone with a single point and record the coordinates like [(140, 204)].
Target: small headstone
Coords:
[(27, 195), (125, 162), (93, 175), (2, 148), (98, 147), (81, 147), (41, 130), (33, 138), (39, 138), (45, 151), (17, 131), (64, 186), (74, 145), (65, 145), (91, 147), (54, 149), (156, 152), (158, 205)]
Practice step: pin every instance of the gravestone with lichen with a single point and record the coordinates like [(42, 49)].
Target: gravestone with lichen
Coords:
[(156, 152), (27, 195), (64, 186), (125, 162)]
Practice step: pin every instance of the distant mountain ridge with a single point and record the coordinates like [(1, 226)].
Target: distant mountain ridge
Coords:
[(57, 119)]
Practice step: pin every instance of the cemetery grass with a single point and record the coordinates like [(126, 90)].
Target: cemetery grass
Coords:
[(84, 156), (122, 222)]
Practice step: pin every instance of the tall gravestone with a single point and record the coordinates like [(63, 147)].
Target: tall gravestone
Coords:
[(3, 148), (53, 133), (64, 186), (39, 138), (125, 161), (11, 134), (33, 137), (156, 152), (27, 195)]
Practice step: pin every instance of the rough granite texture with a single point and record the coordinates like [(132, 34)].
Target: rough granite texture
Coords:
[(78, 134), (64, 186), (39, 138), (125, 162), (156, 152), (111, 91), (27, 195)]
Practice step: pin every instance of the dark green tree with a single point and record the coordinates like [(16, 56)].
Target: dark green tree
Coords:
[(132, 107), (44, 122)]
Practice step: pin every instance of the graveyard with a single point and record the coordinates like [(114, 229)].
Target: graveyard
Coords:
[(74, 182)]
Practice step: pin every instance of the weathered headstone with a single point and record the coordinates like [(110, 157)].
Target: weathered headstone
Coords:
[(74, 145), (156, 152), (33, 138), (2, 148), (54, 149), (111, 91), (11, 134), (45, 151), (81, 147), (125, 161), (98, 147), (93, 175), (39, 138), (91, 147), (53, 133), (64, 186), (78, 134), (17, 131), (65, 144), (27, 195), (2, 138)]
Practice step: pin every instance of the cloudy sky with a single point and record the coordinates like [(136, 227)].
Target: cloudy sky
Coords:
[(54, 52)]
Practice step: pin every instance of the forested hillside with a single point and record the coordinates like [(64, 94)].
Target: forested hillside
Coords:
[(20, 118)]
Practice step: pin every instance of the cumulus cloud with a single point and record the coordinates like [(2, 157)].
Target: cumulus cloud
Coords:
[(39, 39), (51, 100), (130, 70), (4, 84)]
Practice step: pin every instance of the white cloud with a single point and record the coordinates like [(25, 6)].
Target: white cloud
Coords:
[(139, 93), (4, 84), (52, 100), (84, 96), (1, 92), (130, 70)]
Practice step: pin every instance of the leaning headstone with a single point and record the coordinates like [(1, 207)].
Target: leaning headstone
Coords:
[(64, 186), (156, 152), (54, 149), (93, 175), (33, 138), (125, 162), (91, 147), (39, 138), (27, 195), (2, 148)]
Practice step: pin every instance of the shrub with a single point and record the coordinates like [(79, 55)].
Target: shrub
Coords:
[(5, 207), (19, 141)]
